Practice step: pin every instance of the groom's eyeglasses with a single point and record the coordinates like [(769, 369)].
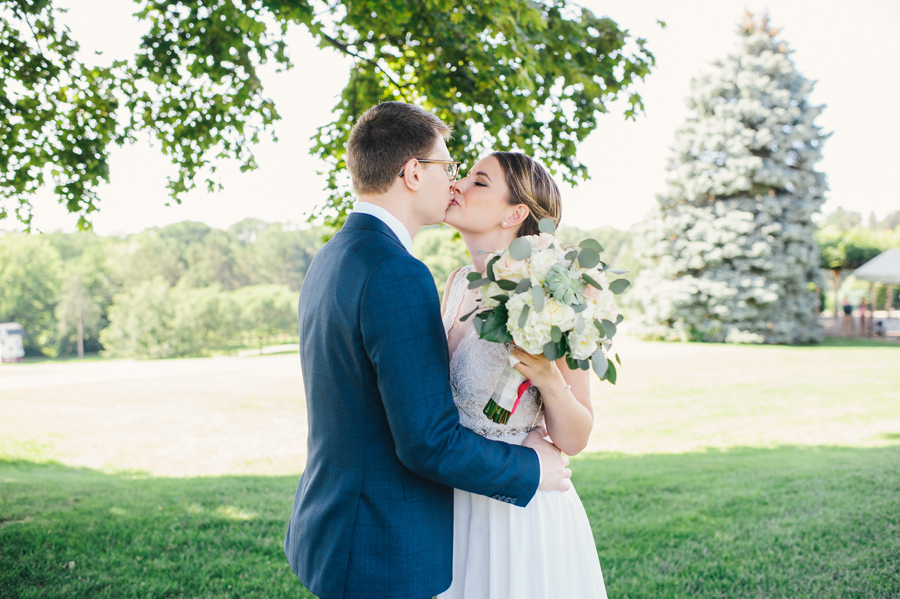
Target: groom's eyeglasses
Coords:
[(452, 166)]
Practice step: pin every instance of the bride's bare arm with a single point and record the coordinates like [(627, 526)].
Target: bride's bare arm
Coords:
[(567, 399)]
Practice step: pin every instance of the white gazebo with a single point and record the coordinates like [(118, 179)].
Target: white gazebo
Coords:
[(883, 268)]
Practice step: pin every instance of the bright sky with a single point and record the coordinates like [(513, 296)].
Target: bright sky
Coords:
[(851, 49)]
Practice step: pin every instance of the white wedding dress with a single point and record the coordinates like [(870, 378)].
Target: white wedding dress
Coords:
[(544, 550)]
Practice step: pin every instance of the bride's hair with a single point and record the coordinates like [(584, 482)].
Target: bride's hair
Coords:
[(384, 138), (530, 184)]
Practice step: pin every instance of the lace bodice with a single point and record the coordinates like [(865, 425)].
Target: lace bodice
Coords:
[(475, 368)]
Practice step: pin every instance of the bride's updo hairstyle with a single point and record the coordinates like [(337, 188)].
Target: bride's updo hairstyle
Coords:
[(530, 184), (384, 138)]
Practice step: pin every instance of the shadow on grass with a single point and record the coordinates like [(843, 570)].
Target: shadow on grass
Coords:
[(858, 342), (798, 522)]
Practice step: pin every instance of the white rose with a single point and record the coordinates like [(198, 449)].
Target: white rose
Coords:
[(584, 345), (542, 241), (511, 269), (603, 307), (540, 264), (556, 313)]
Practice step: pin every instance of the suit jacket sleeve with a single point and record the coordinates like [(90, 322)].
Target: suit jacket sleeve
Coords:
[(405, 341)]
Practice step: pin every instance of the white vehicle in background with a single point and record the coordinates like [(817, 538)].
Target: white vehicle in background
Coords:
[(11, 347)]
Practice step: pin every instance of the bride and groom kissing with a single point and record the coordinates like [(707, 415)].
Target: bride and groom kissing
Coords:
[(410, 491)]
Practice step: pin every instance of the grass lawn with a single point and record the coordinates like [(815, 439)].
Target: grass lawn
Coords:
[(714, 471)]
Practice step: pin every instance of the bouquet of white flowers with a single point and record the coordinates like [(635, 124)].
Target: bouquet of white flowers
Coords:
[(550, 299)]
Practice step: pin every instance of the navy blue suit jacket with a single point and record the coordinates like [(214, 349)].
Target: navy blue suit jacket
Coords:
[(373, 513)]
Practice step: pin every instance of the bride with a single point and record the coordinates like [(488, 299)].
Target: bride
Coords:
[(545, 550)]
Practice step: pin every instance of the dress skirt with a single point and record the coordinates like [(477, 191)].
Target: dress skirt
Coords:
[(544, 550)]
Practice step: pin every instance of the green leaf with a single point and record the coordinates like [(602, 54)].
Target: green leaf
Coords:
[(579, 308), (619, 285), (591, 244), (500, 298), (478, 323), (507, 285), (524, 285), (591, 282), (618, 360), (609, 328), (523, 317), (466, 317), (588, 258), (611, 373), (555, 334), (520, 249), (473, 276), (619, 319), (571, 255), (551, 351), (494, 328), (479, 283), (584, 364), (618, 272), (537, 294), (547, 225), (489, 269), (572, 363), (599, 363)]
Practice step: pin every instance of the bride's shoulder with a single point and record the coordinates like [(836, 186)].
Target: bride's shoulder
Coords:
[(449, 285)]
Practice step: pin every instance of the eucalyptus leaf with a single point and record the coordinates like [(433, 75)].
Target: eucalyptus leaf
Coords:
[(489, 269), (592, 244), (466, 317), (571, 362), (537, 294), (618, 360), (588, 258), (478, 324), (473, 276), (609, 328), (571, 255), (494, 328), (619, 285), (591, 282), (618, 272), (523, 317), (555, 334), (520, 248), (619, 319), (524, 285), (579, 308), (611, 373), (551, 351), (579, 325), (479, 283), (547, 225), (599, 363), (500, 298), (584, 364), (506, 284)]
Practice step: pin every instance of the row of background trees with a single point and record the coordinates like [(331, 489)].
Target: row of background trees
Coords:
[(188, 289)]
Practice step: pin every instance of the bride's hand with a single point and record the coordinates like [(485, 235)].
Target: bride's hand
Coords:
[(542, 373)]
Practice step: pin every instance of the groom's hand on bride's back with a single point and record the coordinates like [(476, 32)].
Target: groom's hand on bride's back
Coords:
[(554, 472)]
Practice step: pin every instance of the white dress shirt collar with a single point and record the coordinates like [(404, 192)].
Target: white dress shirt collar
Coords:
[(387, 218)]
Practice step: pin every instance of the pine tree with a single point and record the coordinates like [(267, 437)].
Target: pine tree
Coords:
[(730, 249)]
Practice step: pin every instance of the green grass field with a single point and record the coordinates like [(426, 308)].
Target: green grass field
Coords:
[(714, 471)]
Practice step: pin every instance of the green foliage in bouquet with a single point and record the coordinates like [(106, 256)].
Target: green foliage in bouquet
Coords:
[(563, 309)]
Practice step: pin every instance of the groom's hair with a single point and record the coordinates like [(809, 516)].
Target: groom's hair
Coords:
[(384, 138)]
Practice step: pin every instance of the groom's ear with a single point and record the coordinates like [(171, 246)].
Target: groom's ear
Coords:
[(412, 174), (518, 215)]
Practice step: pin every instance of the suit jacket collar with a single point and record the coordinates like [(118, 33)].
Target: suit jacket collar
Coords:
[(367, 222)]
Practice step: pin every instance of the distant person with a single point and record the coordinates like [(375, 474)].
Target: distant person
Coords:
[(863, 307), (848, 317)]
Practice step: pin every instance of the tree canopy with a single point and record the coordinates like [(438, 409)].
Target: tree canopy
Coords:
[(519, 74)]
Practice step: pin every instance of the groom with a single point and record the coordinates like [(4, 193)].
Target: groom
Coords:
[(373, 513)]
